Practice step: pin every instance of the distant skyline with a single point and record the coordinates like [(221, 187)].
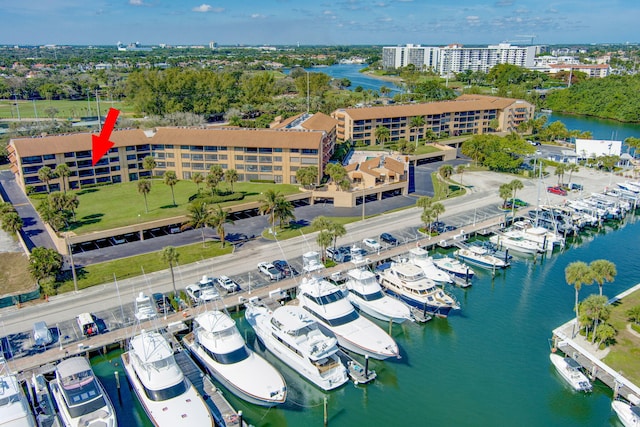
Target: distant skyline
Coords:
[(341, 22)]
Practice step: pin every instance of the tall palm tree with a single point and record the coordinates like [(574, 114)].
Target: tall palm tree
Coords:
[(460, 170), (284, 211), (603, 271), (218, 218), (197, 179), (198, 216), (424, 202), (268, 203), (577, 274), (63, 172), (171, 180), (215, 175), (438, 209), (559, 172), (170, 255), (445, 172), (45, 174), (417, 123), (382, 134), (515, 185), (144, 187), (149, 164), (231, 177), (505, 192), (428, 215), (571, 168), (323, 240)]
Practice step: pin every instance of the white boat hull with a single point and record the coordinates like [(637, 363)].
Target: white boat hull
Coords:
[(392, 309), (574, 377), (625, 414)]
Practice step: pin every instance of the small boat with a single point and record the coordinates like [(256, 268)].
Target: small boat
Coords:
[(366, 295), (14, 406), (167, 396), (46, 415), (329, 306), (421, 258), (454, 267), (219, 346), (629, 414), (294, 337), (545, 239), (480, 257), (145, 309), (407, 282), (516, 241), (571, 371), (79, 396)]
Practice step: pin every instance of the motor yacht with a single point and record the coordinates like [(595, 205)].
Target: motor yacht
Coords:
[(329, 306), (79, 396), (407, 282), (515, 241), (480, 257), (167, 396), (294, 337), (14, 406), (454, 267), (218, 345), (421, 258), (367, 296), (570, 370), (628, 413)]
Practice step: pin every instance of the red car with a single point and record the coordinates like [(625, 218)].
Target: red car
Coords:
[(557, 190)]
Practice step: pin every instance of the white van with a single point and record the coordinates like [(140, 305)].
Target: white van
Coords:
[(41, 334), (87, 324)]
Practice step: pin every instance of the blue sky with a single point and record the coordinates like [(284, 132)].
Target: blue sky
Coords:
[(339, 22)]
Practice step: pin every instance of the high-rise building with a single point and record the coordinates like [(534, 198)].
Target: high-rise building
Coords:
[(423, 58)]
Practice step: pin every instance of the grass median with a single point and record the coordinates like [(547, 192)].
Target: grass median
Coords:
[(624, 355), (124, 268)]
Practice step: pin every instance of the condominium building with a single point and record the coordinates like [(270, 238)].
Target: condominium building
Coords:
[(456, 58), (256, 154), (591, 70), (468, 114)]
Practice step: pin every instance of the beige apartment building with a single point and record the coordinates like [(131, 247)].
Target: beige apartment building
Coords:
[(468, 114), (256, 154)]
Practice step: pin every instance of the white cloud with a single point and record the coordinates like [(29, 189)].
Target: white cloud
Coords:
[(136, 2), (203, 8), (256, 16)]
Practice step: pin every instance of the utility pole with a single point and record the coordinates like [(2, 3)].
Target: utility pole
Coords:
[(99, 118)]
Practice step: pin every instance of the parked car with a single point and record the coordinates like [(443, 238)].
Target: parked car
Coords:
[(227, 284), (557, 190), (193, 291), (163, 305), (41, 334), (575, 186), (389, 239), (372, 244), (270, 271), (285, 268), (87, 324)]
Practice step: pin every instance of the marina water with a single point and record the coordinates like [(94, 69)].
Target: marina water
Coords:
[(486, 365)]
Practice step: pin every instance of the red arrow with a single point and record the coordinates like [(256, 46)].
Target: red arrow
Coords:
[(100, 145)]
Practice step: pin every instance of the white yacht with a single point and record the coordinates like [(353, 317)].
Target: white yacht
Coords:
[(628, 413), (79, 396), (407, 282), (145, 309), (454, 267), (217, 344), (167, 396), (366, 295), (480, 257), (294, 337), (569, 369), (545, 239), (329, 306), (516, 241), (14, 407), (421, 258)]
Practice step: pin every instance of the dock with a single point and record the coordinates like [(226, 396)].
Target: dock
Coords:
[(358, 373), (565, 340)]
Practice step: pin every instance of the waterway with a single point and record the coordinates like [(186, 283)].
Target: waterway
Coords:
[(352, 72), (599, 128), (486, 365)]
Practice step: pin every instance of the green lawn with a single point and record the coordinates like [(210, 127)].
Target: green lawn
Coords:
[(624, 356), (66, 109), (97, 274), (119, 205), (296, 231)]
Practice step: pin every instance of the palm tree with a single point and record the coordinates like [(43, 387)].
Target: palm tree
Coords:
[(382, 134), (337, 230), (283, 211), (231, 176), (44, 263), (171, 256), (438, 209), (424, 202), (559, 172), (215, 175), (594, 309), (571, 168), (198, 216), (515, 185), (149, 164), (11, 222), (416, 122), (197, 179), (505, 192), (323, 240), (633, 314), (45, 174), (144, 187), (460, 170), (268, 203), (428, 215), (577, 274), (171, 180), (603, 271), (218, 218), (445, 172), (63, 172)]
